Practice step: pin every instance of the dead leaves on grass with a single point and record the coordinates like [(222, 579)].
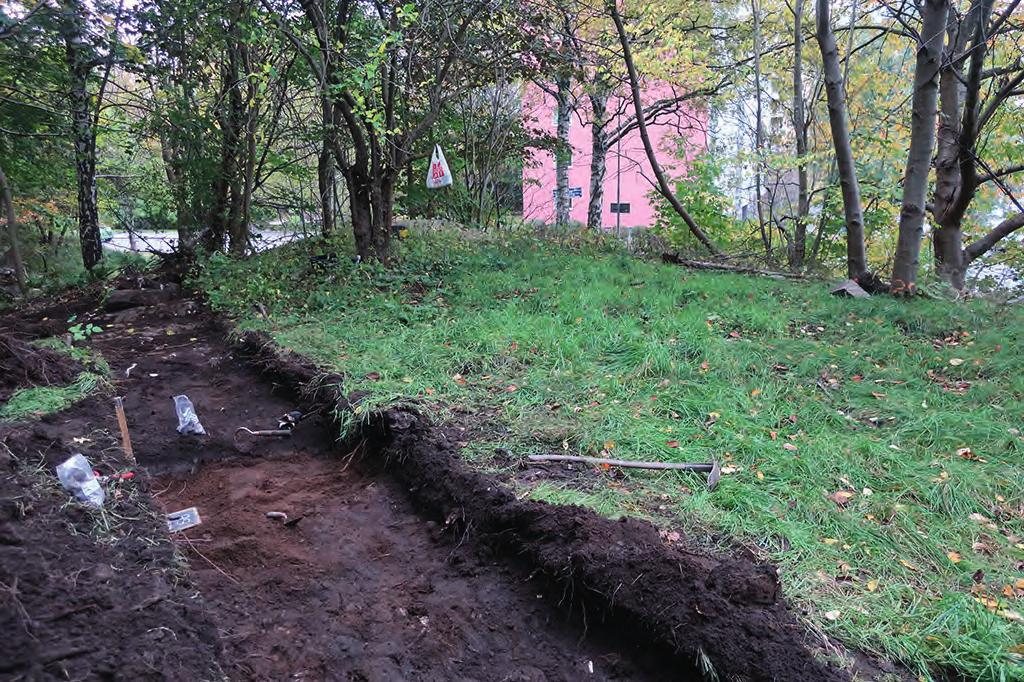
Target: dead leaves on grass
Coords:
[(968, 454), (948, 385), (842, 497), (998, 603)]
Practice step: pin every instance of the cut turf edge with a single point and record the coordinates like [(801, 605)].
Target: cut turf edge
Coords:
[(726, 612)]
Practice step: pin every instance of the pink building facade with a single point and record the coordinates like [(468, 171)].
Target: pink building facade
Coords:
[(629, 182)]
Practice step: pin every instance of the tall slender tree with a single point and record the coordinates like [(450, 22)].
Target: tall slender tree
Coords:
[(856, 255), (664, 188), (924, 103), (81, 61)]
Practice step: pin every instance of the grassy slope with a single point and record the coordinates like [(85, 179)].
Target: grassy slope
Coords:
[(589, 350)]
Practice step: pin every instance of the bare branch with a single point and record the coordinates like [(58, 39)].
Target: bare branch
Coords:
[(994, 101), (1001, 172), (999, 232)]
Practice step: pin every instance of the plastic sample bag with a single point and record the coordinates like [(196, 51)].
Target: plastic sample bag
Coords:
[(76, 475), (438, 174), (188, 421)]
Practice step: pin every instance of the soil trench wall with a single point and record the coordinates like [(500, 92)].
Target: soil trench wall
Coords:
[(724, 614)]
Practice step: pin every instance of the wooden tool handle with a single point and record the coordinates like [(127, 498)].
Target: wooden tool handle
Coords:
[(122, 422)]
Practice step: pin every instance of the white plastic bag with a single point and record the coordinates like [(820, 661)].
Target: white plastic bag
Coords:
[(438, 175), (76, 475), (188, 421)]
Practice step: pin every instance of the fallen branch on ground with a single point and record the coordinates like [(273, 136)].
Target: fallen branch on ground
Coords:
[(742, 269), (631, 464)]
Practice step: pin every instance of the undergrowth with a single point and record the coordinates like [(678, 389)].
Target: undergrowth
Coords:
[(871, 448)]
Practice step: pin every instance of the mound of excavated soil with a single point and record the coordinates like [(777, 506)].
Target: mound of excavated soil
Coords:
[(23, 365)]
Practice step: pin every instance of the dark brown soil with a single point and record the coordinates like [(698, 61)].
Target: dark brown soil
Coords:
[(405, 564), (83, 595), (619, 575), (362, 589), (41, 317), (23, 365)]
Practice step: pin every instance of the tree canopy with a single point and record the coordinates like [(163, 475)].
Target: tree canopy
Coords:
[(846, 136)]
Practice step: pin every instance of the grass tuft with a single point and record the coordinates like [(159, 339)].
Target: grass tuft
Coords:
[(37, 401)]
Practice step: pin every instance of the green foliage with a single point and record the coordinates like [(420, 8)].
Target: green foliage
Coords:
[(710, 208), (133, 188), (878, 221), (483, 135), (82, 330), (584, 349)]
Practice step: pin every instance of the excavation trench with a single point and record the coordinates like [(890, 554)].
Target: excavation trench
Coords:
[(398, 561)]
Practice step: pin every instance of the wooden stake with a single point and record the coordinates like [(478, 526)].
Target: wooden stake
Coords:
[(122, 422)]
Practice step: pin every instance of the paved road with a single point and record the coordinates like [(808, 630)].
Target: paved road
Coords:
[(148, 241)]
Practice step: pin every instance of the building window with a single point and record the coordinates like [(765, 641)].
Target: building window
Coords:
[(554, 119), (567, 155), (620, 208)]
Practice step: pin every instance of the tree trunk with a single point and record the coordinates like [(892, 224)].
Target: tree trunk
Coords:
[(244, 140), (12, 233), (856, 256), (833, 173), (225, 209), (78, 58), (383, 215), (798, 251), (947, 238), (922, 144), (956, 179), (634, 85), (755, 9), (359, 202), (240, 235), (563, 152), (178, 192), (170, 155), (325, 185), (598, 159)]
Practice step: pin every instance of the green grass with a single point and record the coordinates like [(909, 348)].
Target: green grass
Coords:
[(587, 350), (37, 401)]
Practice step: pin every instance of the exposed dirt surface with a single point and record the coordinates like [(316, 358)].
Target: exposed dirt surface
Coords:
[(398, 562), (362, 589), (619, 575), (22, 365), (86, 595), (49, 316)]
